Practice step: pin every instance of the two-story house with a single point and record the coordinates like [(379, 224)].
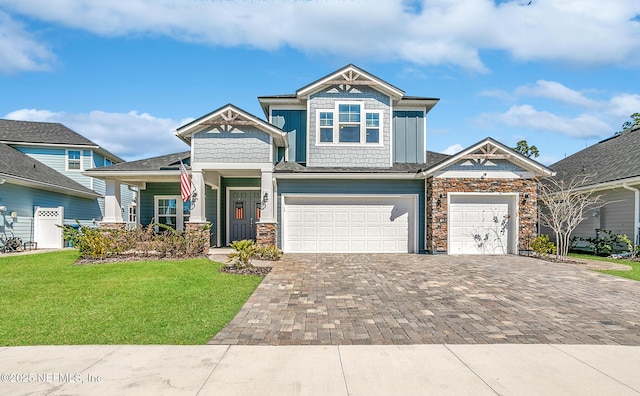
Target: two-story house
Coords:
[(338, 166), (41, 181)]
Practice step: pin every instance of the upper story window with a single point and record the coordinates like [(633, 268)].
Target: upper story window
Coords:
[(107, 162), (73, 159), (355, 125)]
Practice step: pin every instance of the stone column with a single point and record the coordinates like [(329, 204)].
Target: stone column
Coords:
[(198, 202)]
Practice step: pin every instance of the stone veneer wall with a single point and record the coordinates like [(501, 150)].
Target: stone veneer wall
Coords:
[(436, 215), (266, 234)]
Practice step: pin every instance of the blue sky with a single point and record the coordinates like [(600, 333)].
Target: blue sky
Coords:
[(562, 74)]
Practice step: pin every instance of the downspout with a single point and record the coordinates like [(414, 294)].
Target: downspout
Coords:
[(636, 206)]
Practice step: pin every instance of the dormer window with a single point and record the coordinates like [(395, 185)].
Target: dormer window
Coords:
[(356, 125)]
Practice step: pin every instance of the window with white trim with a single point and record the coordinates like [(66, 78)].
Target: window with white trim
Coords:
[(73, 160), (326, 127), (355, 125), (107, 162), (172, 212)]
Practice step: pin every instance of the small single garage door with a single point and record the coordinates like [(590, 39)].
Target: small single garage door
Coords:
[(481, 224), (356, 224)]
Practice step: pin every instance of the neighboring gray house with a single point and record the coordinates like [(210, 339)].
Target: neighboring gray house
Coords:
[(338, 166), (613, 167), (41, 166)]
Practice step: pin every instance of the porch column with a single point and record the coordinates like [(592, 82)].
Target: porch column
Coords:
[(112, 202), (198, 214), (266, 195), (266, 228)]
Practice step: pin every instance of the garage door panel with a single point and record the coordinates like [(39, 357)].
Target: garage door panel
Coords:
[(349, 224), (475, 224)]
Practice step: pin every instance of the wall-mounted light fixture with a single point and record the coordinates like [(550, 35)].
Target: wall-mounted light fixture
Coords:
[(3, 208), (439, 201), (265, 197), (14, 215)]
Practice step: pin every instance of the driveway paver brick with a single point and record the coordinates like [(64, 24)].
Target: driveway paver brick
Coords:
[(343, 299)]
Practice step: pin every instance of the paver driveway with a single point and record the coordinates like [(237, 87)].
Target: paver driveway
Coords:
[(422, 299)]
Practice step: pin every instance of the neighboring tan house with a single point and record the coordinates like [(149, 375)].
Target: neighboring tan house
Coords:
[(340, 166), (41, 181), (613, 170)]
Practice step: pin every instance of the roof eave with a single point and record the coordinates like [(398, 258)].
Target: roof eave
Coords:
[(48, 186)]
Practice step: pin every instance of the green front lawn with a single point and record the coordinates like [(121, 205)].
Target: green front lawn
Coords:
[(634, 273), (46, 300)]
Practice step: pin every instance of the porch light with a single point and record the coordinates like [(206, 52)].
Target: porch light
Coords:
[(265, 197)]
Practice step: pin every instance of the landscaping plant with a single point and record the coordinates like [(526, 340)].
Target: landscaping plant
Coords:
[(542, 246)]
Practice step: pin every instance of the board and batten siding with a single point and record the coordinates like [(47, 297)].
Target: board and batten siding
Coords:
[(22, 199), (408, 137), (248, 144), (354, 154), (294, 123), (355, 187), (146, 203)]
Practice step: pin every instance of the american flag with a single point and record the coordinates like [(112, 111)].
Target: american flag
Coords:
[(185, 183)]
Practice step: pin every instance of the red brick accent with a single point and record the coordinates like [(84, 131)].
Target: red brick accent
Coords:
[(267, 234), (436, 207)]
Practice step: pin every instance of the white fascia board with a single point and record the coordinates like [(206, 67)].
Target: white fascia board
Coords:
[(115, 174), (47, 186), (610, 185), (478, 174), (259, 166), (344, 176), (50, 145)]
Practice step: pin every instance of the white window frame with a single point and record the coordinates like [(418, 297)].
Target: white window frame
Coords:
[(179, 213), (363, 125), (66, 160)]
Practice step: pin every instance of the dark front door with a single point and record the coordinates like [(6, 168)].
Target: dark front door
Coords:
[(244, 212)]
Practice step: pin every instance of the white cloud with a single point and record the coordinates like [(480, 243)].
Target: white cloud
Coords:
[(453, 149), (129, 135), (526, 116), (556, 91), (19, 50), (430, 33)]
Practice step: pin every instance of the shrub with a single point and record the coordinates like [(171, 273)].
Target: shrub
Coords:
[(244, 251), (542, 246), (99, 244), (606, 243), (268, 252)]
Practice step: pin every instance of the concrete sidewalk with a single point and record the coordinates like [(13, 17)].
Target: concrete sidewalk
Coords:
[(503, 369)]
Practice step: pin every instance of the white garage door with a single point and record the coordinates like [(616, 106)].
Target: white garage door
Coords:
[(381, 224), (481, 224)]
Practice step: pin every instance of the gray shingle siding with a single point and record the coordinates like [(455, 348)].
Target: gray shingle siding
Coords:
[(247, 145), (358, 155)]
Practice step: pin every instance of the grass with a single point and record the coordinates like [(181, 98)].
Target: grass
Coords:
[(46, 300), (634, 273)]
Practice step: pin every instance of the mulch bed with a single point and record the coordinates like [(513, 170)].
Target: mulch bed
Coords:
[(254, 270), (131, 258)]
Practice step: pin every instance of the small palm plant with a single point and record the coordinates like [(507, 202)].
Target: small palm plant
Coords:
[(245, 250)]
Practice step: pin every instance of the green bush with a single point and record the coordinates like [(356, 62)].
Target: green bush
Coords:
[(101, 243), (244, 251), (607, 242), (268, 252), (542, 246)]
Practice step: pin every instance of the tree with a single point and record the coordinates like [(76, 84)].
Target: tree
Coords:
[(565, 205), (528, 151), (635, 120)]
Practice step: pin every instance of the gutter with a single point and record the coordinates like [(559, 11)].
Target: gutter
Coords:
[(636, 207)]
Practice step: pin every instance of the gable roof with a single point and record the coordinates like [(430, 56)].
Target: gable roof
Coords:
[(21, 169), (490, 148), (46, 133), (350, 75), (169, 162), (230, 115), (614, 159)]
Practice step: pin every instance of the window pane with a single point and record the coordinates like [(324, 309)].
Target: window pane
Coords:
[(186, 208), (349, 113), (167, 220), (73, 154), (373, 119), (350, 133), (373, 135), (326, 135), (326, 119)]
